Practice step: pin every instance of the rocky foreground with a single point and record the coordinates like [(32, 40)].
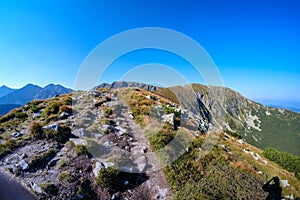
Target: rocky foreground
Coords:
[(61, 157)]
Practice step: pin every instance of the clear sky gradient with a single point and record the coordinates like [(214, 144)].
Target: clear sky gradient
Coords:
[(255, 44)]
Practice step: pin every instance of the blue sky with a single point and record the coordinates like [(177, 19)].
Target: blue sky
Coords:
[(255, 44)]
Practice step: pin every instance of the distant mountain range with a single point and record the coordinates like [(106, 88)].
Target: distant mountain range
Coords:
[(13, 98), (4, 90)]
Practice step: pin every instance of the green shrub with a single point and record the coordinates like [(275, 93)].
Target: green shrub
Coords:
[(67, 100), (8, 146), (162, 138), (62, 135), (40, 161), (21, 115), (108, 177), (286, 160), (61, 163), (7, 117), (234, 134), (65, 177), (80, 150), (49, 188), (34, 105), (52, 117), (170, 110), (108, 111), (52, 108)]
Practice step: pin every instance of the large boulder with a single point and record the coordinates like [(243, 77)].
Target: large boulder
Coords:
[(169, 118), (54, 127), (81, 132), (23, 165)]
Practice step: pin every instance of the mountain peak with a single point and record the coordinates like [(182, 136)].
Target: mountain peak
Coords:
[(4, 90), (4, 87), (30, 85), (51, 85), (122, 84)]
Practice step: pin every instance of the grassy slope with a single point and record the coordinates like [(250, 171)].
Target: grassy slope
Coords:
[(279, 130)]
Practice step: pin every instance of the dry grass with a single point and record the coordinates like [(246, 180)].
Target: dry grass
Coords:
[(269, 170), (243, 165)]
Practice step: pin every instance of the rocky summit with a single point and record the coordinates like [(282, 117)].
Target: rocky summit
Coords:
[(135, 141)]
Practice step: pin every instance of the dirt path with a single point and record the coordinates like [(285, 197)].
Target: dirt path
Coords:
[(146, 160)]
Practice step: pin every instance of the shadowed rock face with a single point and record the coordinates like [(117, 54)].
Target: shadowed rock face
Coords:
[(11, 189)]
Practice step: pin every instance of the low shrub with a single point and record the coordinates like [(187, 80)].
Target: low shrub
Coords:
[(7, 117), (80, 150), (49, 188), (21, 115), (36, 130), (67, 100), (65, 108), (107, 177), (162, 138), (52, 117), (114, 179), (52, 108), (234, 134), (62, 135), (65, 177), (286, 160), (108, 111), (8, 146), (40, 161), (34, 105)]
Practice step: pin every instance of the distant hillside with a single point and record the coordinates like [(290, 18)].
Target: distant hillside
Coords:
[(28, 93), (4, 90), (226, 109), (123, 84), (5, 108)]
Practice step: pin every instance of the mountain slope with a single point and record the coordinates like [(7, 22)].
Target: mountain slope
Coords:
[(259, 125), (4, 90), (51, 90)]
